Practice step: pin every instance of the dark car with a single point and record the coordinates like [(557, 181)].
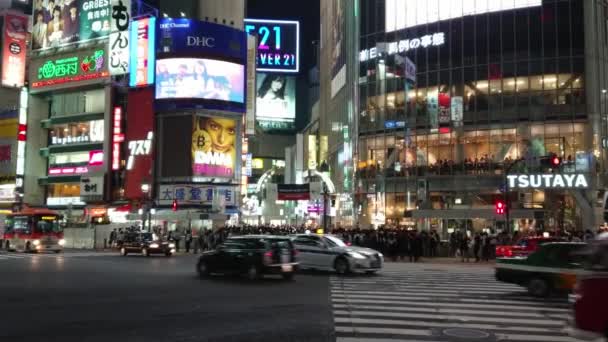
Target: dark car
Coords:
[(552, 268), (145, 244), (252, 255)]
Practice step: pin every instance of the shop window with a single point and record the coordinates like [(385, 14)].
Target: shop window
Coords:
[(92, 101), (63, 190)]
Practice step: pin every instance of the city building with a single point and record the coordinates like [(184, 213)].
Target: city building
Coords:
[(442, 99)]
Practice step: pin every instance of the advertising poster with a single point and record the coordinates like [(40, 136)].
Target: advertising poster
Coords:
[(187, 36), (276, 101), (214, 147), (293, 192), (444, 108), (457, 110), (14, 48), (139, 127), (60, 22), (337, 46), (199, 78)]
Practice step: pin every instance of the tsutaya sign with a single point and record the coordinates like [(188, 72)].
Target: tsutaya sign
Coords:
[(435, 39), (549, 181)]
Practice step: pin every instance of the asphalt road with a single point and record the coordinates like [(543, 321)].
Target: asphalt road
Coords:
[(99, 297)]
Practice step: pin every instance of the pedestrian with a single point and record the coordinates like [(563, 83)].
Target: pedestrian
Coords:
[(434, 240), (175, 236), (112, 237), (188, 240), (476, 246), (464, 246)]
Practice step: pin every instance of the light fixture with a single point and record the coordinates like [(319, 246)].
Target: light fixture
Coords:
[(182, 14), (145, 187), (604, 91)]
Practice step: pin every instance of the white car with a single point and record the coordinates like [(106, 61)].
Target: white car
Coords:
[(329, 253)]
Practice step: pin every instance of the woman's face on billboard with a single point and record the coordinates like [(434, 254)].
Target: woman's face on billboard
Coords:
[(222, 133)]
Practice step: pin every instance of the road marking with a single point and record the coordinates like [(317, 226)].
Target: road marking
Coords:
[(419, 303)]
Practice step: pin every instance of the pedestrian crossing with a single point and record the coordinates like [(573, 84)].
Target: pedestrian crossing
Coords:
[(416, 303), (6, 256)]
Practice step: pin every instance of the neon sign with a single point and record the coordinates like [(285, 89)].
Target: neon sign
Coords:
[(548, 181), (117, 138), (70, 69), (68, 170), (143, 45), (139, 148), (278, 44), (404, 45)]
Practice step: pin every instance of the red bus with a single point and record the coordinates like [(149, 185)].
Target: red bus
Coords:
[(33, 230)]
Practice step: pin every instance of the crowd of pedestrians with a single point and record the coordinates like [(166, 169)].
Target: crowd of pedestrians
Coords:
[(397, 244)]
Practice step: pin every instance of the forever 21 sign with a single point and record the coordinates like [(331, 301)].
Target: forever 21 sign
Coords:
[(278, 44)]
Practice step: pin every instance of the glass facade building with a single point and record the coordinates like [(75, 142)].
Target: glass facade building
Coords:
[(451, 93)]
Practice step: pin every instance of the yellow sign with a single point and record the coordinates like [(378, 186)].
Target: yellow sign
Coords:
[(312, 152), (257, 163), (49, 218)]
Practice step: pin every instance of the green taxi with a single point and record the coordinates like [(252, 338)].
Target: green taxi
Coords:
[(550, 269)]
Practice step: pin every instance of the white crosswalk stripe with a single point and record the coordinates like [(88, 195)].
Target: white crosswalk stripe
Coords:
[(15, 255), (434, 303)]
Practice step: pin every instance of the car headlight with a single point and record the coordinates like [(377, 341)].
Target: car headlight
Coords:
[(61, 242), (171, 245), (154, 245), (36, 242), (380, 255), (356, 255)]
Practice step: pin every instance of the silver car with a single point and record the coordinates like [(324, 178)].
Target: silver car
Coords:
[(329, 253)]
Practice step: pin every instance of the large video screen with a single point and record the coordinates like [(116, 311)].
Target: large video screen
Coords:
[(214, 147), (276, 101), (199, 78)]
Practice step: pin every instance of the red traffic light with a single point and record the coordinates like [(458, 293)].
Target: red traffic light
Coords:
[(500, 207), (555, 161), (174, 205)]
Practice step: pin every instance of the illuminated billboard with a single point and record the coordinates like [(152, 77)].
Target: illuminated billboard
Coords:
[(142, 52), (214, 147), (278, 44), (14, 35), (61, 22), (401, 14), (276, 101), (68, 68), (200, 78)]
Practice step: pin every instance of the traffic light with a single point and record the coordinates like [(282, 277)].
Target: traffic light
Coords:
[(551, 161), (174, 205), (500, 207)]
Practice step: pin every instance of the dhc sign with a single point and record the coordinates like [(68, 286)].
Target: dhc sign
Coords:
[(548, 181)]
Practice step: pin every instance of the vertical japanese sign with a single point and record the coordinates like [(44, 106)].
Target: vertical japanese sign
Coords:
[(118, 44), (251, 86), (143, 40), (14, 50), (117, 138), (456, 110)]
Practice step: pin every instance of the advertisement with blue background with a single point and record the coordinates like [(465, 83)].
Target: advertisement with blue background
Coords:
[(200, 65), (190, 38)]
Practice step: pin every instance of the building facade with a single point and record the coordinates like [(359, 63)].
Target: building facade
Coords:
[(452, 95)]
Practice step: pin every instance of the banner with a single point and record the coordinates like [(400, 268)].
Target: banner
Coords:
[(456, 110), (142, 54), (214, 147), (337, 46), (293, 192), (14, 50), (251, 86), (444, 108), (59, 23), (196, 194), (118, 44)]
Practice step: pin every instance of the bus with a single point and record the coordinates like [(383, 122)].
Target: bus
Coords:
[(33, 230)]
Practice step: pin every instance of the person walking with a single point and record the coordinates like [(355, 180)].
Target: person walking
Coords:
[(188, 240), (464, 246), (476, 246), (112, 237)]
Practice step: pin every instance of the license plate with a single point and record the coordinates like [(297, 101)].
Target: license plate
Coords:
[(286, 268)]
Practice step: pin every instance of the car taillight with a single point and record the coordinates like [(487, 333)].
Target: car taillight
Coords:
[(349, 244), (509, 252), (268, 257)]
